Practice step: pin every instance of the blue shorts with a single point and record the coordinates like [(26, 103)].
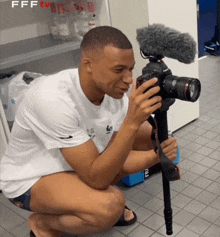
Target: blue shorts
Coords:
[(22, 201)]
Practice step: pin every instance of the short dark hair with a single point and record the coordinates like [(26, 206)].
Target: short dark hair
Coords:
[(99, 37)]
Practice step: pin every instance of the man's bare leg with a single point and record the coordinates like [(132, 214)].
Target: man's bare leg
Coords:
[(63, 203)]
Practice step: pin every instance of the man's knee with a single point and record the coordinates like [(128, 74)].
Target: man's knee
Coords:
[(111, 209)]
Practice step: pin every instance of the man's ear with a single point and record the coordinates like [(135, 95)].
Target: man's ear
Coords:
[(87, 64)]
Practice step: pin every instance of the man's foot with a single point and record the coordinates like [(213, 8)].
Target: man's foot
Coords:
[(128, 214), (37, 226), (128, 218)]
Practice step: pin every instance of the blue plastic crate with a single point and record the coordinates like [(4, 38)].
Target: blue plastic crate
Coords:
[(133, 179), (177, 160)]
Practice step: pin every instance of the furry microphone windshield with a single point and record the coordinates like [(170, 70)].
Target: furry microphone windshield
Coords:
[(159, 40)]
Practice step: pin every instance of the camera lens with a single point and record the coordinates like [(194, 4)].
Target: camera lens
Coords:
[(183, 88), (193, 89)]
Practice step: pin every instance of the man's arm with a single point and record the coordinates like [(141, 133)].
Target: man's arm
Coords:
[(143, 156), (98, 170)]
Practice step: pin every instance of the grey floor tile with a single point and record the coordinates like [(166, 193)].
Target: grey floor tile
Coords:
[(214, 188), (206, 197), (215, 129), (218, 180), (213, 144), (157, 235), (195, 207), (213, 231), (190, 137), (210, 134), (202, 140), (186, 152), (202, 182), (2, 231), (153, 188), (209, 162), (216, 203), (156, 178), (143, 213), (182, 142), (198, 169), (181, 200), (199, 225), (187, 164), (211, 174), (204, 118), (210, 214), (178, 185), (194, 147), (196, 157), (189, 177), (141, 231), (215, 155), (154, 222), (217, 138), (192, 191), (183, 218), (127, 229), (21, 230), (154, 204), (7, 235), (216, 166), (180, 133), (141, 197), (199, 131), (187, 233), (130, 191), (10, 220), (205, 151), (217, 222)]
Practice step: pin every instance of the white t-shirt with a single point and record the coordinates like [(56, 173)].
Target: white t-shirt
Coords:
[(55, 113)]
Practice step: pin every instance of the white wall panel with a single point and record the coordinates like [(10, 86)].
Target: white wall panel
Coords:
[(128, 16), (182, 16)]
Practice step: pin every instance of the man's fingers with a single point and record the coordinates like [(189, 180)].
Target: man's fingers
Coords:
[(169, 141), (147, 84), (155, 100)]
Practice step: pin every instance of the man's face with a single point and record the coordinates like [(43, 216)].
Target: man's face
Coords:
[(112, 73)]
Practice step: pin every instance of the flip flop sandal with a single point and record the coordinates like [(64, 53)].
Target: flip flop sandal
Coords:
[(32, 234), (123, 222)]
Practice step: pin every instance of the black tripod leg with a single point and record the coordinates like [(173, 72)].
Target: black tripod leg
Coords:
[(167, 205), (161, 118)]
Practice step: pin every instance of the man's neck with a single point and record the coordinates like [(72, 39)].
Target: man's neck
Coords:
[(90, 90)]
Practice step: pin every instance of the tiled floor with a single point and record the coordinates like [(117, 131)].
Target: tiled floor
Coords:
[(195, 198)]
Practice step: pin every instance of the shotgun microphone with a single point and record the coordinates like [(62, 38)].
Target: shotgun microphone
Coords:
[(159, 40)]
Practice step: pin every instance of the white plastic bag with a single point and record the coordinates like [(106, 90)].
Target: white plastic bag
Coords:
[(17, 89)]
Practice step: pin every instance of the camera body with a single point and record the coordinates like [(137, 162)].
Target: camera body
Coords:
[(183, 88)]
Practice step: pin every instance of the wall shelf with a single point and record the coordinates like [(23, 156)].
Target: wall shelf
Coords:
[(29, 50)]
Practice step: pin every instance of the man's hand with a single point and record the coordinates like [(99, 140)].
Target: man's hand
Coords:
[(143, 101), (169, 147)]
